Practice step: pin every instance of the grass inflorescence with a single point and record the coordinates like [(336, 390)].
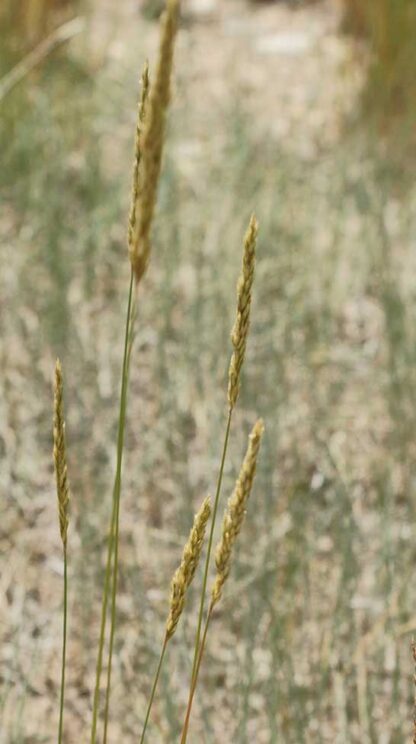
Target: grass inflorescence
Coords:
[(62, 489)]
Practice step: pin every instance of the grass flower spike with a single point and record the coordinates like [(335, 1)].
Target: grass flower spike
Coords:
[(181, 581), (239, 341), (62, 490), (232, 523), (136, 190), (242, 322), (151, 142), (185, 573), (236, 511), (59, 454)]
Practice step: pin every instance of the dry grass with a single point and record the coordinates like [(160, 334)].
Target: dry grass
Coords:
[(325, 596), (235, 512), (149, 141), (29, 21), (184, 575), (390, 27), (59, 455)]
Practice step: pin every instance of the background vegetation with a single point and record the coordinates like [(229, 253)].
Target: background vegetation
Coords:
[(276, 109)]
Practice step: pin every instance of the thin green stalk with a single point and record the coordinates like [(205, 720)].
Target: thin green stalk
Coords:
[(64, 634), (114, 514), (155, 683), (209, 549), (195, 678), (116, 524), (106, 592)]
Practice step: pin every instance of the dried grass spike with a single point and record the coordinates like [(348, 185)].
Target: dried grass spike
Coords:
[(141, 113), (242, 322), (185, 573), (59, 454), (235, 511), (152, 141)]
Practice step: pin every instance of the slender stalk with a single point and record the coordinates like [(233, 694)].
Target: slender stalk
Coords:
[(64, 634), (194, 682), (210, 541), (231, 527), (117, 490), (414, 696), (155, 683), (113, 534), (106, 592), (181, 581)]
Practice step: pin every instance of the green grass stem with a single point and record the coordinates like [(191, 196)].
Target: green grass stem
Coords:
[(154, 687), (64, 635), (112, 571)]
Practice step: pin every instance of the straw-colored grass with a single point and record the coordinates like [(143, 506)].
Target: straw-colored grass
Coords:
[(390, 28), (29, 21), (62, 490), (327, 552), (180, 584), (150, 134), (231, 527)]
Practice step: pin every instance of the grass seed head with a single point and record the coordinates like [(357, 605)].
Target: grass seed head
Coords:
[(235, 511), (242, 322), (185, 573), (136, 189), (59, 454), (151, 142)]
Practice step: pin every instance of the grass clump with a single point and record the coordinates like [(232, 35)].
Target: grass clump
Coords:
[(150, 134)]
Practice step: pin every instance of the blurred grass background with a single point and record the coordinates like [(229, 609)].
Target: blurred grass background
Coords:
[(313, 639)]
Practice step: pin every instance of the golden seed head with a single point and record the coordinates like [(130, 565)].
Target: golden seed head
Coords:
[(59, 454), (235, 511), (242, 322), (185, 573), (151, 143), (141, 113)]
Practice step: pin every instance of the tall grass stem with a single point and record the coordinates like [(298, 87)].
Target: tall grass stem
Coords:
[(117, 491), (209, 548), (195, 677), (113, 535), (154, 687), (64, 635)]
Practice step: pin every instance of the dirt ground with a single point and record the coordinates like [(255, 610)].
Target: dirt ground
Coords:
[(293, 74)]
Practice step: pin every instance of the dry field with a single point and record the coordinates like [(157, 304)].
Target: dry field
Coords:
[(312, 640)]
